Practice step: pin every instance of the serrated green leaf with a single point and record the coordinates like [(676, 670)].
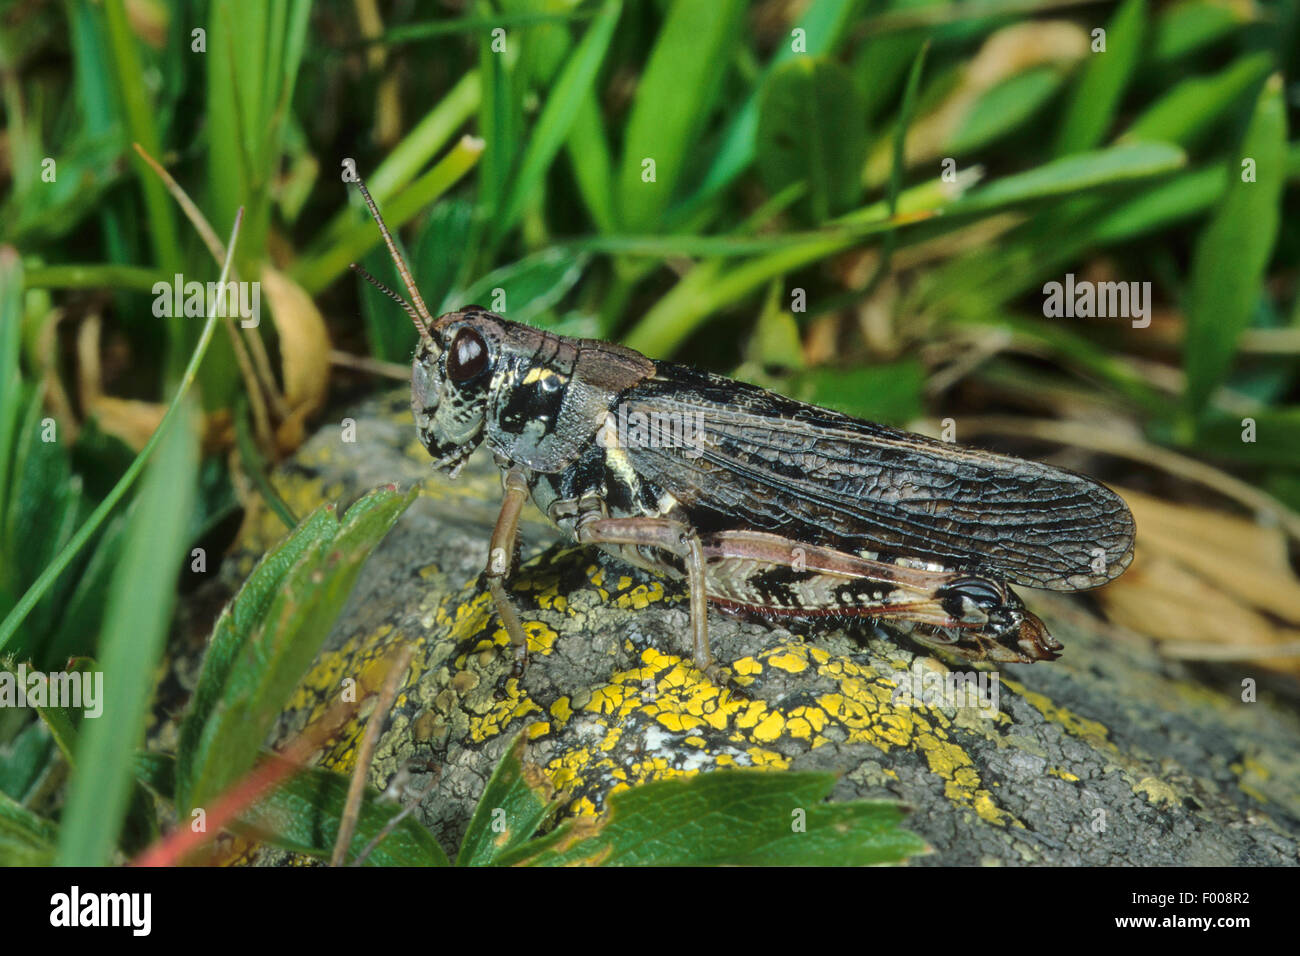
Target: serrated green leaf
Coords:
[(302, 815), (514, 805), (235, 626), (729, 817), (275, 648)]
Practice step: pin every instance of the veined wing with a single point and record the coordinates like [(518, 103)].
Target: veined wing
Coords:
[(824, 478)]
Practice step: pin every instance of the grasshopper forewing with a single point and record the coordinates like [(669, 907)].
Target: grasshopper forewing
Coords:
[(759, 502)]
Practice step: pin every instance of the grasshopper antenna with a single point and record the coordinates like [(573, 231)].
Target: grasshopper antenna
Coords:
[(402, 269), (406, 306)]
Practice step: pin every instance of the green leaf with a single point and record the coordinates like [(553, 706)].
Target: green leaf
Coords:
[(729, 817), (1192, 108), (1183, 28), (12, 400), (237, 623), (302, 815), (1005, 108), (1276, 442), (1095, 99), (1073, 174), (25, 838), (1234, 248), (593, 169), (439, 253), (776, 341), (811, 130), (45, 504), (265, 654), (93, 586), (516, 802), (131, 639), (23, 760), (890, 393), (673, 99), (530, 286), (823, 22)]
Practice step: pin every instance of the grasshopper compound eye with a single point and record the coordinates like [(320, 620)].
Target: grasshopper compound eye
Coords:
[(468, 357)]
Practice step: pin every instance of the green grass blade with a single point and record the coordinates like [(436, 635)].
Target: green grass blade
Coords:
[(1095, 99), (11, 380), (593, 169), (811, 130), (677, 89), (1075, 174), (1192, 108), (99, 276), (131, 641), (314, 274), (573, 86), (9, 626), (1234, 248), (823, 23)]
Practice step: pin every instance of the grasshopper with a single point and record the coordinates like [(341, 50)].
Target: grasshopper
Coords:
[(762, 504)]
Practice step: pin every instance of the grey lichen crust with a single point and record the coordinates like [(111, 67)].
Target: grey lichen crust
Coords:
[(1108, 756)]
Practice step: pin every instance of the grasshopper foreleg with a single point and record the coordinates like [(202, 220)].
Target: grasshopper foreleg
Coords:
[(501, 556)]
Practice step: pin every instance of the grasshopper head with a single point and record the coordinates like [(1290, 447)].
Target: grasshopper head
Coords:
[(451, 383), (477, 375), (452, 373)]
